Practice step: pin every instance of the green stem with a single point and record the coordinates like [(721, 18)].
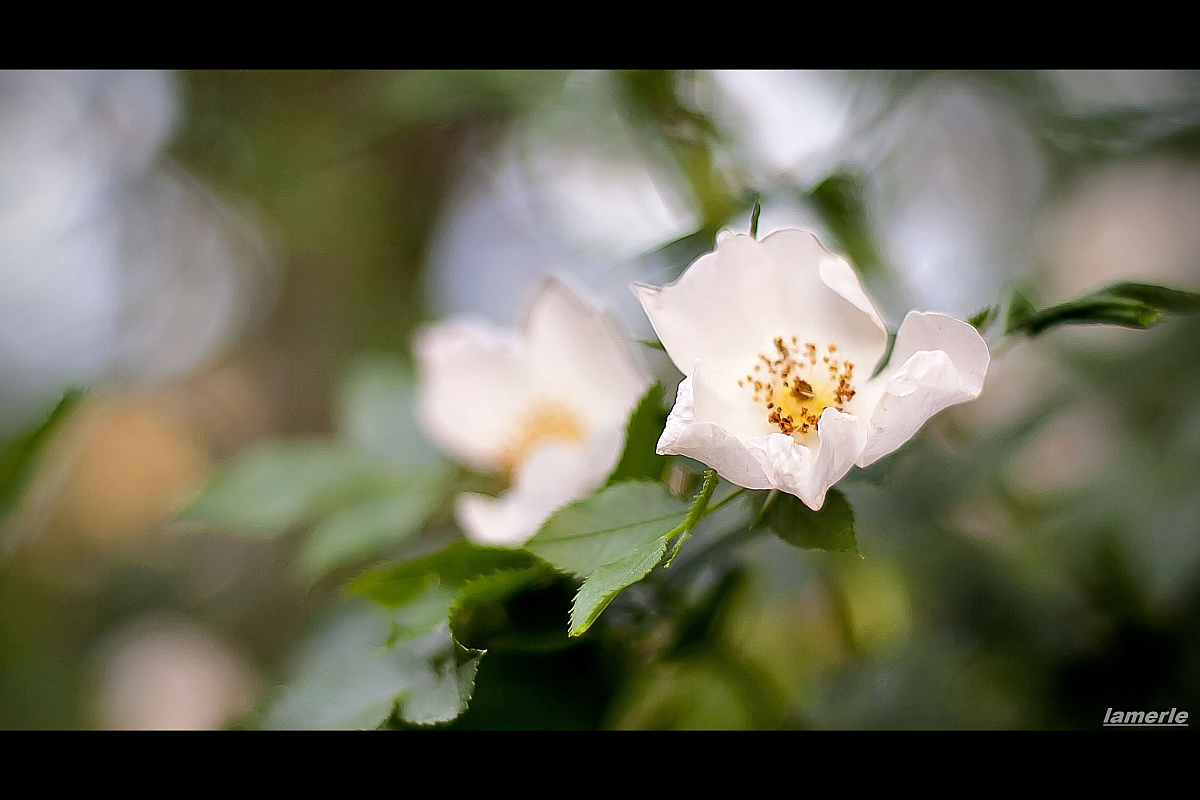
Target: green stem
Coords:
[(699, 508), (697, 512), (731, 496)]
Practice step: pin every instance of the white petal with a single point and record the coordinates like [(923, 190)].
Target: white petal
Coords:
[(577, 351), (773, 461), (718, 398), (938, 361), (474, 387), (711, 444), (732, 302), (480, 384), (797, 472), (552, 476)]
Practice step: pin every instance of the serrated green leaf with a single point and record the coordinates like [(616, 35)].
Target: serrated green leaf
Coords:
[(340, 678), (423, 614), (267, 491), (605, 583), (639, 459), (453, 567), (373, 526), (606, 526), (831, 528), (18, 459), (445, 693)]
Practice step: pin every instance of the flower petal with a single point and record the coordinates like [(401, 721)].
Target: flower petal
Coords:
[(795, 469), (773, 461), (473, 389), (938, 361), (711, 444), (479, 385), (577, 351), (718, 398), (550, 477), (732, 302)]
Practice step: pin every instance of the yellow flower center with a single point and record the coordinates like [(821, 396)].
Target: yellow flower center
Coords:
[(796, 383), (548, 420)]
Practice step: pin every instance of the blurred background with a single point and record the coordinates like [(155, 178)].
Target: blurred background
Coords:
[(225, 259)]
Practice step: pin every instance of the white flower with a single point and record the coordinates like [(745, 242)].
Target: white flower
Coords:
[(779, 343), (547, 407)]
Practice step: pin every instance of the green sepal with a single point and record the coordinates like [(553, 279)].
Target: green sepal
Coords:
[(831, 528)]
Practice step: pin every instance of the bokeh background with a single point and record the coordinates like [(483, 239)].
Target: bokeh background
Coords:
[(224, 259)]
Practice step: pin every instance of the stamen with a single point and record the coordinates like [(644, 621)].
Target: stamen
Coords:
[(804, 390)]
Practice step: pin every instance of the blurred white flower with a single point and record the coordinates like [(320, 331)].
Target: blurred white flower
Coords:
[(546, 407), (779, 341)]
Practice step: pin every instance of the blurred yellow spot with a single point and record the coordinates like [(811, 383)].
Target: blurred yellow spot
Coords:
[(878, 609), (551, 420), (134, 465)]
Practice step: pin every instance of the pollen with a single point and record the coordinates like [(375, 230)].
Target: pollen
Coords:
[(800, 383), (550, 420)]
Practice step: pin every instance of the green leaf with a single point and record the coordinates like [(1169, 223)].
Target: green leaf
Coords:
[(453, 567), (376, 411), (366, 529), (479, 617), (267, 491), (831, 528), (982, 319), (1158, 296), (18, 459), (445, 692), (423, 614), (1128, 304), (340, 678), (602, 585), (606, 582), (639, 459), (606, 526)]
